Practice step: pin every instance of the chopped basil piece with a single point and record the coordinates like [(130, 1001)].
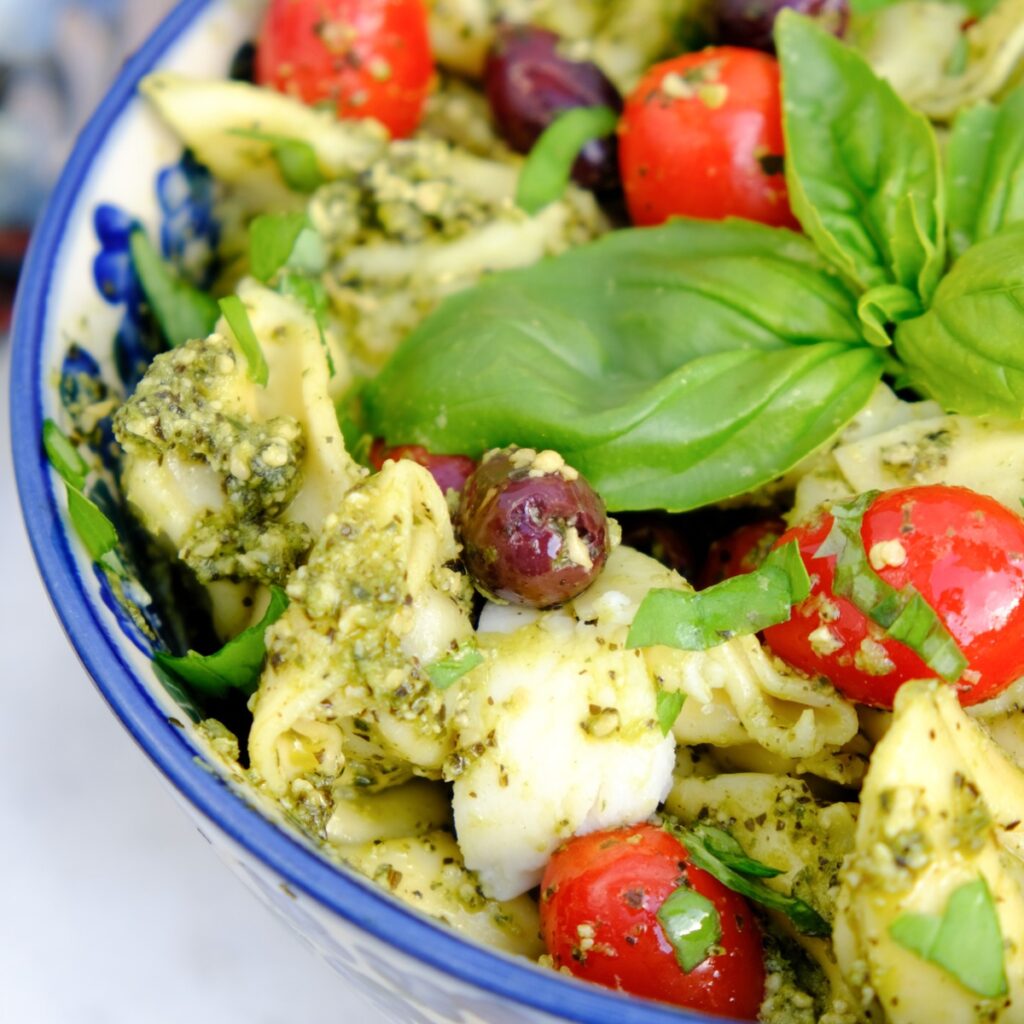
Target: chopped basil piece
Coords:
[(296, 160), (691, 923), (964, 940), (730, 853), (904, 614), (182, 311), (64, 456), (445, 671), (272, 238), (312, 294), (704, 855), (668, 703), (236, 666), (548, 168), (94, 529), (238, 320), (695, 621)]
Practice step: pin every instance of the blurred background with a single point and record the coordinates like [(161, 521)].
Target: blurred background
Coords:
[(113, 910)]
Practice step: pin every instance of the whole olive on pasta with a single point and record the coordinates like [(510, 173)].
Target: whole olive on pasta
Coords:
[(533, 530), (529, 83), (750, 22)]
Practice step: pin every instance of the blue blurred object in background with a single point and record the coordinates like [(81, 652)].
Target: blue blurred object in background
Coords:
[(57, 58)]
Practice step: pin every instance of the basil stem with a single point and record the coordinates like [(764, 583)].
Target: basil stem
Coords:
[(296, 159)]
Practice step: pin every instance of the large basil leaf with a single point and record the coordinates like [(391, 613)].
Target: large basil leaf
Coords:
[(862, 169), (674, 366), (967, 351), (985, 159)]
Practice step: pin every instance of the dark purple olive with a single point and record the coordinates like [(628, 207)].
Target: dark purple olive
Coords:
[(533, 530), (529, 83), (750, 22)]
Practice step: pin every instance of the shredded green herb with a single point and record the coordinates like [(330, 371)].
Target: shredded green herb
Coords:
[(272, 238), (446, 671), (965, 940), (236, 666), (296, 159), (668, 704), (691, 923), (695, 621), (238, 320), (904, 614), (734, 870), (182, 310), (548, 168)]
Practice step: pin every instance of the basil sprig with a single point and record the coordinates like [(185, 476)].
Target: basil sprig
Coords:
[(723, 858), (904, 614), (449, 670), (182, 311), (682, 365), (272, 238), (241, 327), (691, 924), (673, 366), (965, 940), (739, 606), (548, 168), (236, 666)]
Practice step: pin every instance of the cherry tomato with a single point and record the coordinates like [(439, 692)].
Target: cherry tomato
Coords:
[(740, 552), (368, 58), (701, 136), (450, 471), (599, 902), (962, 551)]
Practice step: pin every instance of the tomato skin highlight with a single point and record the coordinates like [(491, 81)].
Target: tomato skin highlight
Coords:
[(739, 552), (701, 136), (612, 884), (368, 58), (964, 552)]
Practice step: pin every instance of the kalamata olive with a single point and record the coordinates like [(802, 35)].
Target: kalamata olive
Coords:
[(533, 530), (529, 83), (750, 22), (450, 471)]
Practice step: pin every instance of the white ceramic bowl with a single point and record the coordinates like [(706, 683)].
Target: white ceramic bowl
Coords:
[(126, 167)]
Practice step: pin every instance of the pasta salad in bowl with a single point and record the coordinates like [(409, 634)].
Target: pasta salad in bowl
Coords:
[(544, 481)]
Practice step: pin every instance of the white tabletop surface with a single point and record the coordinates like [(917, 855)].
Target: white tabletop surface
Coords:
[(113, 910)]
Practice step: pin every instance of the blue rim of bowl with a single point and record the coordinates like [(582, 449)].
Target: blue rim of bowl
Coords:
[(164, 743)]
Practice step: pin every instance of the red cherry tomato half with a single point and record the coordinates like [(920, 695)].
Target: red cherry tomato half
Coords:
[(701, 136), (599, 902), (450, 471), (964, 552), (368, 58), (740, 552)]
